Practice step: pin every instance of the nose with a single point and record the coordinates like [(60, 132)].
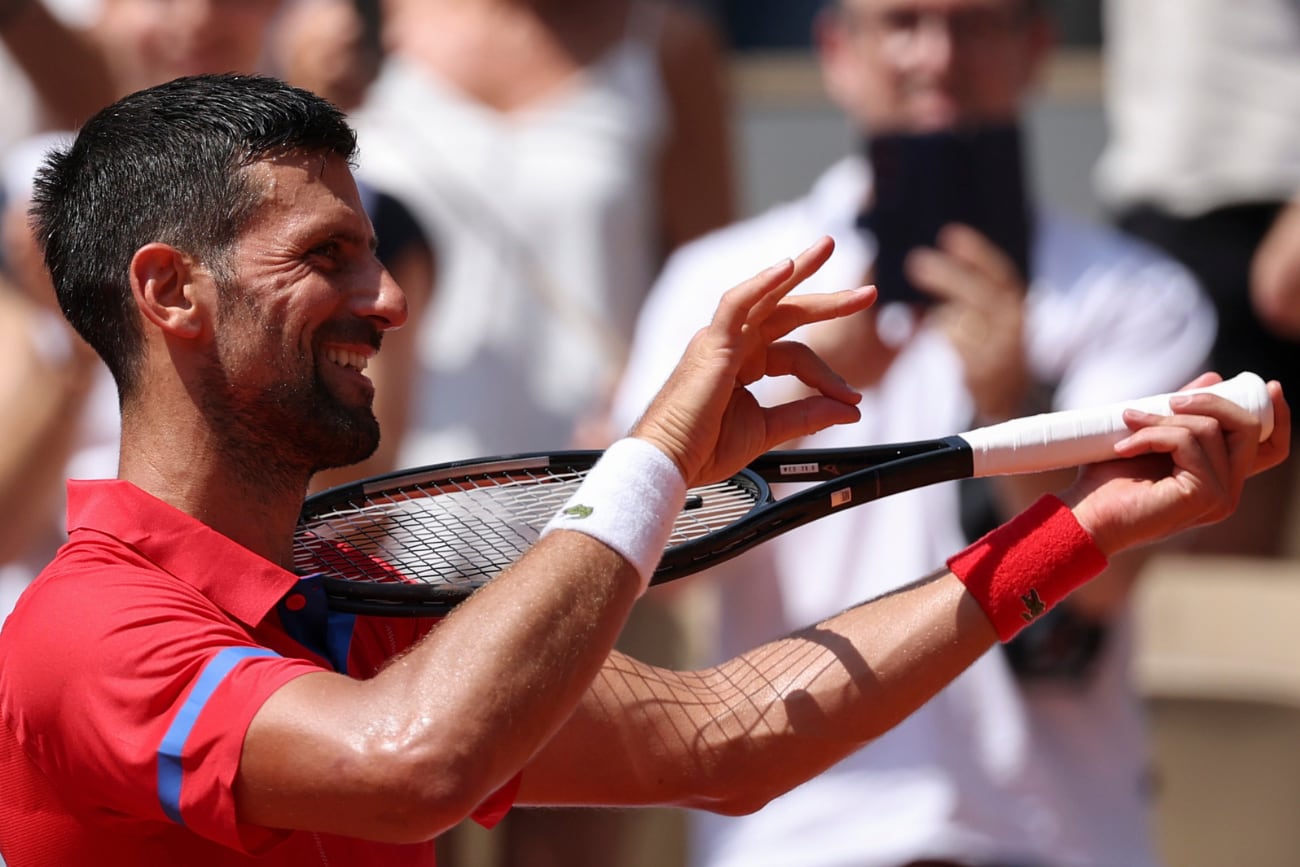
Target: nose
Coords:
[(933, 44), (194, 15), (388, 303)]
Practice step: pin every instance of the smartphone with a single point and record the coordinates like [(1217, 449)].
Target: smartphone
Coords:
[(924, 181)]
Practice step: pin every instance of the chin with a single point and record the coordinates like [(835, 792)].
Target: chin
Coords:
[(341, 438), (348, 452)]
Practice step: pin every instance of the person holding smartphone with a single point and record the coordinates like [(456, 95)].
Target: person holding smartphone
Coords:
[(992, 307)]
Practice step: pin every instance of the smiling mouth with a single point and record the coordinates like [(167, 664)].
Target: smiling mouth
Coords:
[(345, 358)]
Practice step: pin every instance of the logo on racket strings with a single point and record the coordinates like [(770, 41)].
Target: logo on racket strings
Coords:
[(578, 511)]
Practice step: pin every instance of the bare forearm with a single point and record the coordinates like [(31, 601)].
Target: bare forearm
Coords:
[(43, 398), (730, 738), (1275, 274), (66, 68), (444, 725)]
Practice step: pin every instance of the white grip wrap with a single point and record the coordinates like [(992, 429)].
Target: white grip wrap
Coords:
[(629, 500), (1072, 438)]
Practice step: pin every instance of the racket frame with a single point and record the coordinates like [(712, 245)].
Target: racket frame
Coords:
[(857, 475), (847, 476)]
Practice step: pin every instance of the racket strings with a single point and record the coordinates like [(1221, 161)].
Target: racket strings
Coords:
[(457, 531), (720, 505), (461, 532)]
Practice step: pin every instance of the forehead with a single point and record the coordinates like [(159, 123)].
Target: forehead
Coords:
[(168, 7), (301, 193), (930, 5)]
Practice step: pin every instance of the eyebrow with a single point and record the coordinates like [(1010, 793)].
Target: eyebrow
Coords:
[(349, 236)]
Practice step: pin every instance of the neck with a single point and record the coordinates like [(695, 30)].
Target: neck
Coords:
[(188, 468)]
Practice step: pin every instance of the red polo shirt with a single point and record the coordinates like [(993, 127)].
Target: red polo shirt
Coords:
[(129, 672)]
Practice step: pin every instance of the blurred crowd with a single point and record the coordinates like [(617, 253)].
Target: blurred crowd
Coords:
[(555, 182)]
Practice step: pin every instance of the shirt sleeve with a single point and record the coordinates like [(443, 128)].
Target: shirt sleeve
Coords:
[(1123, 321), (494, 809), (141, 692)]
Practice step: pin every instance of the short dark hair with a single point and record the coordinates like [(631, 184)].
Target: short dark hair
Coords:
[(165, 165), (1032, 8)]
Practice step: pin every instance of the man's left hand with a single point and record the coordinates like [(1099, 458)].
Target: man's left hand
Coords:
[(980, 306)]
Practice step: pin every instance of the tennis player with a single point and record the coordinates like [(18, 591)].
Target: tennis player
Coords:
[(171, 693)]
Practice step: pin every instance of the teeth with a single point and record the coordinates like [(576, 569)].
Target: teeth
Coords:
[(344, 358)]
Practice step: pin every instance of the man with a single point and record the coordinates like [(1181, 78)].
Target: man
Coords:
[(206, 237), (1035, 756)]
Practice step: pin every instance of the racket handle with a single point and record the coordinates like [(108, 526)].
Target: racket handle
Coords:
[(1057, 440)]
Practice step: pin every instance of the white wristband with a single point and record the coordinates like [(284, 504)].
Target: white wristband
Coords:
[(629, 500)]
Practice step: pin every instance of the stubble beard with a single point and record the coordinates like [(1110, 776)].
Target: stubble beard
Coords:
[(289, 431)]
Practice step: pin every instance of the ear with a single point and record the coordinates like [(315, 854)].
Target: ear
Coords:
[(1042, 42), (831, 40), (169, 289)]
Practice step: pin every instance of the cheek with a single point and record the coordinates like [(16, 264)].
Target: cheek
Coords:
[(241, 27), (249, 341), (868, 91), (147, 41), (992, 92)]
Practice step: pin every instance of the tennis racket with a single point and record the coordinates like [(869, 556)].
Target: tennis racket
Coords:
[(420, 541)]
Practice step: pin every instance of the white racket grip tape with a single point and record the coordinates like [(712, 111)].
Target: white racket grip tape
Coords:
[(1071, 438), (629, 500)]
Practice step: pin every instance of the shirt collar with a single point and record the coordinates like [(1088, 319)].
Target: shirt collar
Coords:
[(240, 582)]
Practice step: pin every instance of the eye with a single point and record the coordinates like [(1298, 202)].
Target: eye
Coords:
[(328, 250), (328, 253)]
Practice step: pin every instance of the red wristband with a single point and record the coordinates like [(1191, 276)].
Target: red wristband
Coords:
[(1021, 569)]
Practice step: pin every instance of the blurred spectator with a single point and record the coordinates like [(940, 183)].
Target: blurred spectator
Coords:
[(1275, 274), (60, 415), (330, 47), (555, 152), (1036, 756), (76, 68), (1203, 102), (151, 41), (52, 73)]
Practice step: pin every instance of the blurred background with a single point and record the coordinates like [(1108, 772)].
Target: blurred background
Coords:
[(1218, 662), (787, 131)]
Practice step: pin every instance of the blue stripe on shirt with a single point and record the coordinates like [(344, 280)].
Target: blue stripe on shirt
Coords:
[(170, 751)]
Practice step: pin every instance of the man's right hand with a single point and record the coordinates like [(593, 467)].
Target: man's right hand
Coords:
[(1181, 471), (704, 417)]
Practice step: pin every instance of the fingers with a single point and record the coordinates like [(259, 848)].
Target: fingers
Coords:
[(802, 310), (1213, 446), (964, 269), (1210, 473), (976, 250), (804, 417), (787, 358), (704, 418), (981, 312), (806, 264), (1213, 440), (1271, 451), (753, 300), (835, 401), (1277, 447), (737, 304), (1205, 379)]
